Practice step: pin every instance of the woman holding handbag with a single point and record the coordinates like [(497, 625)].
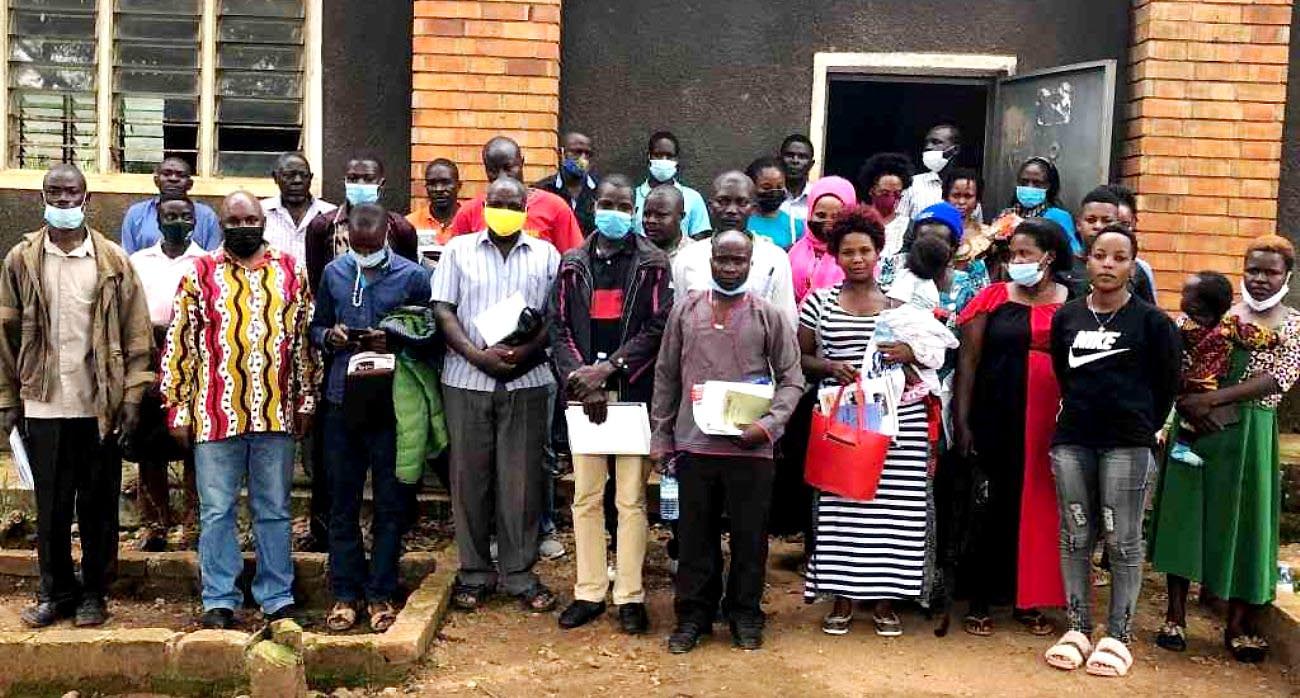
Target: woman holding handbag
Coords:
[(864, 550)]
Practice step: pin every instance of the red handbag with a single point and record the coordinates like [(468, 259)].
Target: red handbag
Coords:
[(845, 459)]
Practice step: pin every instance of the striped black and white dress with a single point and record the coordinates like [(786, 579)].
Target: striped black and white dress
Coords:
[(875, 549)]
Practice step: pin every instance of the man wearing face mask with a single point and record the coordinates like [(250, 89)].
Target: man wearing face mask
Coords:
[(607, 312), (160, 269), (357, 291), (327, 235), (769, 271), (173, 177), (575, 182), (663, 153), (239, 381), (939, 155), (497, 399), (547, 216), (726, 334), (74, 363)]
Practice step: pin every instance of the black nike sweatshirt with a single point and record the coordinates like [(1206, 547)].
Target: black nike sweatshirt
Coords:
[(1117, 382)]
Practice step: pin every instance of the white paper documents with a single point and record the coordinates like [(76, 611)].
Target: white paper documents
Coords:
[(625, 431), (723, 408), (21, 464), (497, 322)]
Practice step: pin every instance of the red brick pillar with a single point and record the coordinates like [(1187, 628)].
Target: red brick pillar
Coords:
[(483, 68)]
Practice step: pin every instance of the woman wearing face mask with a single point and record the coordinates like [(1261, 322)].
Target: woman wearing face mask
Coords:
[(1004, 412), (882, 180), (1230, 545), (1038, 188), (1116, 359), (769, 193), (811, 264)]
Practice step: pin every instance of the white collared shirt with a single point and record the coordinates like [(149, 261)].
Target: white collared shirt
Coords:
[(160, 276), (926, 191), (69, 280), (797, 206), (286, 235), (769, 274)]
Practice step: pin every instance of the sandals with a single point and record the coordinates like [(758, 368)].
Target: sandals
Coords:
[(342, 617), (1248, 649), (538, 599), (978, 625), (1035, 622), (889, 626), (834, 624), (1172, 637), (1068, 653), (467, 597), (1111, 659), (382, 616)]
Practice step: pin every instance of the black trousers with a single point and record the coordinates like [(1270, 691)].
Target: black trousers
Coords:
[(74, 470), (313, 461), (708, 487)]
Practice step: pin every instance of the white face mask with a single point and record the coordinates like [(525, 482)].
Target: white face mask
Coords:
[(1268, 303), (934, 160)]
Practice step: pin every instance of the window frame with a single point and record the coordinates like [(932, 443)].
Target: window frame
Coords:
[(205, 183)]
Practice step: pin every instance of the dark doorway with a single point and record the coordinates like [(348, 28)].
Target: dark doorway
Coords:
[(876, 114)]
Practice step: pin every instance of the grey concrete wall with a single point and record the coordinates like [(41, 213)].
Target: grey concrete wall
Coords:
[(732, 78)]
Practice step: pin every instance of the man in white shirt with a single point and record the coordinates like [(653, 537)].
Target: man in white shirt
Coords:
[(769, 273), (797, 158), (288, 214), (939, 156), (160, 269)]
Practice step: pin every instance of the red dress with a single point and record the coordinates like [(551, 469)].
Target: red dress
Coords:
[(1013, 416)]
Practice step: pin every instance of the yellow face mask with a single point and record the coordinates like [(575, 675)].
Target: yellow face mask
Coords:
[(503, 221)]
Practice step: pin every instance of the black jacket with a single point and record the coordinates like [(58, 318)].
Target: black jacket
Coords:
[(647, 298)]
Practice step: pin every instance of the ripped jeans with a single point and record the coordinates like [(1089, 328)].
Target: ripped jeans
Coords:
[(1101, 491)]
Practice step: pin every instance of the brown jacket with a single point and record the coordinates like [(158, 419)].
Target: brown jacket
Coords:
[(121, 334)]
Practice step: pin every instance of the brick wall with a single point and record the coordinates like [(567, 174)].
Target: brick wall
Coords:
[(483, 68), (1203, 130)]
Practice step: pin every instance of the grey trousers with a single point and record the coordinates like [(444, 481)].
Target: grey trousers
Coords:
[(498, 441)]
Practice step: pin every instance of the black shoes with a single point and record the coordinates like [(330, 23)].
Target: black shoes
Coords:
[(747, 636), (686, 637), (90, 613), (218, 619), (580, 613), (286, 612), (633, 619), (46, 613)]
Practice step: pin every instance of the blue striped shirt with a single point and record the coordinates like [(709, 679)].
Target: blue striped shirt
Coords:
[(473, 276)]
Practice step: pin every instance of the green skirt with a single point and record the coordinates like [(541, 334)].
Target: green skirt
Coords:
[(1217, 524)]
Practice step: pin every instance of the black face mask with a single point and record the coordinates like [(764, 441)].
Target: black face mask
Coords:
[(243, 241), (177, 232), (770, 200), (817, 228)]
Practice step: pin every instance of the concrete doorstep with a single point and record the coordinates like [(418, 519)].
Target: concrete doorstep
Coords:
[(211, 662)]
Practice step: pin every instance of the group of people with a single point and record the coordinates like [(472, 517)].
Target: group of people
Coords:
[(1045, 396)]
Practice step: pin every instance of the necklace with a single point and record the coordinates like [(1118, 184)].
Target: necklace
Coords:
[(718, 323), (1101, 324)]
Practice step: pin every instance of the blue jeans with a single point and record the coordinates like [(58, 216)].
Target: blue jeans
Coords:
[(266, 459), (348, 456), (1102, 491)]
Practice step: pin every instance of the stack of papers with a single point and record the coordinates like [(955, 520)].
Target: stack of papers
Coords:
[(21, 464), (723, 408), (500, 320), (625, 431)]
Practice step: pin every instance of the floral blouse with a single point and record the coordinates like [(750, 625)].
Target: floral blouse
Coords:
[(1282, 361), (966, 284)]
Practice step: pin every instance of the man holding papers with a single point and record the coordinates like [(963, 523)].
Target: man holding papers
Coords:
[(722, 334), (608, 309), (496, 397)]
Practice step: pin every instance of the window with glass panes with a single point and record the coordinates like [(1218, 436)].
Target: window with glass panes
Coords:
[(119, 85)]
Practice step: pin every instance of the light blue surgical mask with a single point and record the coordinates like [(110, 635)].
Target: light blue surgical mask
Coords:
[(372, 260), (1025, 273), (65, 218), (663, 170), (614, 225), (713, 283), (1029, 197), (359, 193)]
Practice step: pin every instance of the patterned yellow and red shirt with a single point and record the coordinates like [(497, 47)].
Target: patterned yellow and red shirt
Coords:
[(237, 358)]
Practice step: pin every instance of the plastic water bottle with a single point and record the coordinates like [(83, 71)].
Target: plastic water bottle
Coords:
[(667, 497)]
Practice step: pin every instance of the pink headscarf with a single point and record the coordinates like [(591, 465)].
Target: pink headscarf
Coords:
[(811, 265)]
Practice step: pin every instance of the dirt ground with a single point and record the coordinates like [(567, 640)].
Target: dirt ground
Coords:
[(499, 652)]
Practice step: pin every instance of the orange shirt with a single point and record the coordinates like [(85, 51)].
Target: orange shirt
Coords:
[(425, 223), (550, 218)]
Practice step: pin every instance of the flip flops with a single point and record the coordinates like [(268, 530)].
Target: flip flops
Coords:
[(1111, 659), (834, 624), (1068, 653), (1172, 637), (978, 625), (1248, 649), (889, 626)]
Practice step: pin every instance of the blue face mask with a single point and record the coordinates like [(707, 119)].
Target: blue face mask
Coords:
[(359, 193), (372, 260), (573, 167), (713, 283), (1025, 273), (65, 218), (1029, 197), (663, 170), (614, 225)]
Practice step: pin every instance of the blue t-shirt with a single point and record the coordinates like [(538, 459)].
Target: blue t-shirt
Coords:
[(695, 216), (780, 229), (140, 226)]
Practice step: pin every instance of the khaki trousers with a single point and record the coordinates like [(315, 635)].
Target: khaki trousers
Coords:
[(590, 474)]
